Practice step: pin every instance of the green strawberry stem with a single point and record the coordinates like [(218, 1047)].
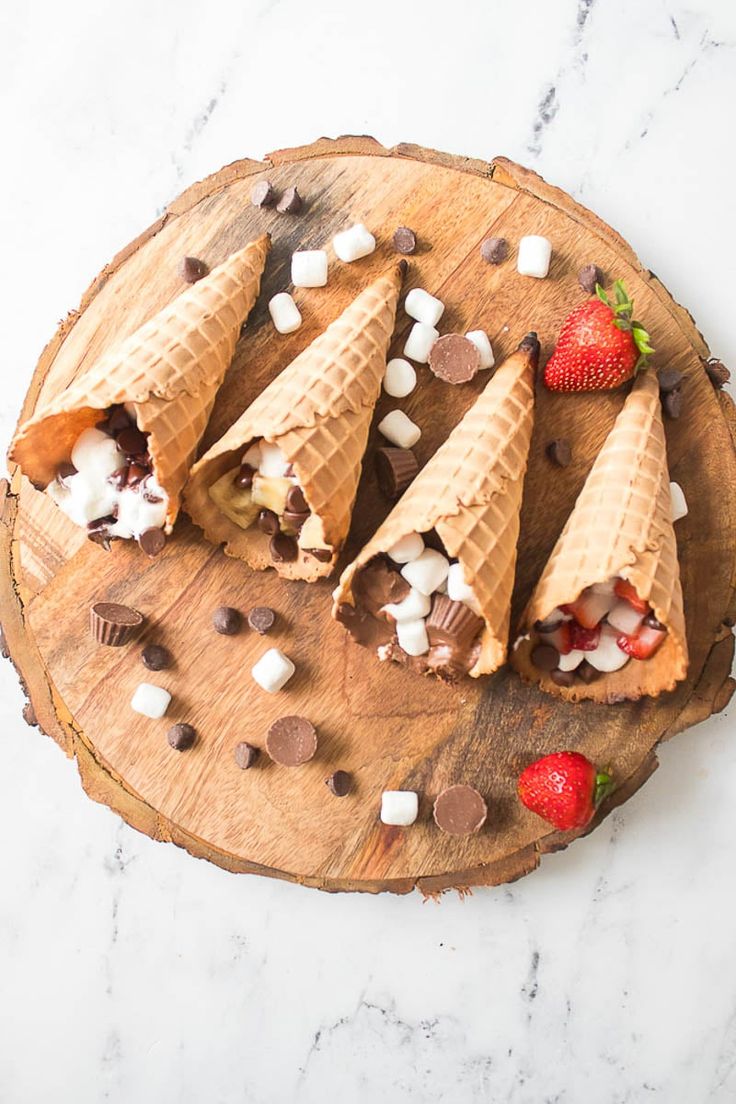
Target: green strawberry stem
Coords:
[(623, 310), (603, 787)]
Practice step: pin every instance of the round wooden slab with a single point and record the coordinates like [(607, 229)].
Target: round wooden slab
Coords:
[(389, 729)]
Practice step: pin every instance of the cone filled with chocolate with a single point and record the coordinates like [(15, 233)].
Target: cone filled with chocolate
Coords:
[(606, 620), (432, 588), (278, 488), (144, 404)]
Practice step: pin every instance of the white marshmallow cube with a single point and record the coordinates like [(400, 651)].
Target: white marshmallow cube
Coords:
[(150, 701), (284, 313), (414, 606), (571, 661), (399, 429), (459, 591), (400, 378), (413, 637), (273, 463), (607, 657), (535, 253), (482, 343), (273, 670), (354, 243), (407, 548), (309, 268), (420, 341), (96, 455), (427, 571), (399, 807), (679, 502), (423, 307)]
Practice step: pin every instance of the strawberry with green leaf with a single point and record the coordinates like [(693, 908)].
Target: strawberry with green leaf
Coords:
[(564, 788), (600, 345)]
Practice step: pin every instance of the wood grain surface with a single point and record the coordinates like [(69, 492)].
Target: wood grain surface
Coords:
[(389, 729)]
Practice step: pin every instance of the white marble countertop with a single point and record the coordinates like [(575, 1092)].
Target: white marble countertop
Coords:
[(131, 972)]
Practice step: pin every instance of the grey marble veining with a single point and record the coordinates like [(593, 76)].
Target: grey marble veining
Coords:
[(131, 972)]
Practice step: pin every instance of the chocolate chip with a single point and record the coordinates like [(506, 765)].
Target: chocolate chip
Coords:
[(547, 626), (559, 452), (294, 521), (454, 359), (268, 522), (323, 555), (562, 678), (290, 202), (718, 373), (296, 503), (192, 269), (152, 541), (245, 755), (545, 657), (65, 471), (244, 478), (395, 469), (672, 403), (136, 474), (494, 250), (283, 548), (291, 741), (226, 620), (262, 194), (670, 379), (261, 619), (405, 240), (587, 672), (101, 537), (340, 783), (156, 658), (131, 441), (119, 478), (590, 275), (460, 810), (117, 419), (652, 623), (181, 736)]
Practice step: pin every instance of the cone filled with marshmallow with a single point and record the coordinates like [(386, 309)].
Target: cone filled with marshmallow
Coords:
[(446, 611), (152, 395), (606, 621), (278, 488)]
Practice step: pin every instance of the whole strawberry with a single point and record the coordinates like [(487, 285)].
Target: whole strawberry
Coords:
[(600, 346), (563, 788)]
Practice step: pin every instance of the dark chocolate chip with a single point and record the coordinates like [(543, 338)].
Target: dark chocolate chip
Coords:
[(454, 359), (65, 471), (245, 755), (494, 250), (562, 678), (192, 269), (651, 622), (283, 548), (290, 202), (296, 503), (156, 658), (294, 521), (545, 657), (268, 522), (718, 373), (559, 452), (587, 672), (261, 619), (131, 441), (460, 810), (136, 474), (118, 418), (405, 240), (119, 478), (395, 469), (226, 620), (672, 403), (181, 736), (244, 478), (324, 555), (262, 194), (547, 626), (670, 379), (588, 276), (152, 541), (101, 537), (340, 783), (291, 741)]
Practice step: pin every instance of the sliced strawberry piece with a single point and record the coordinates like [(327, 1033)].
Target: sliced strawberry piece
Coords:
[(582, 639), (644, 643), (590, 608), (561, 638), (625, 590)]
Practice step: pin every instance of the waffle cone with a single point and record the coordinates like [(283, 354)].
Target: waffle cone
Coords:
[(621, 525), (470, 493), (318, 411), (169, 369)]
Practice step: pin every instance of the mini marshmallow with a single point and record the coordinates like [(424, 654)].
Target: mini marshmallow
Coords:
[(459, 591), (413, 637), (571, 661), (535, 253), (400, 378), (607, 657), (423, 307), (407, 548), (90, 497), (136, 514), (679, 502), (400, 430), (354, 243), (150, 701), (95, 454), (427, 571), (419, 342), (273, 463), (483, 344), (399, 807), (273, 670), (414, 606), (309, 268), (284, 313)]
